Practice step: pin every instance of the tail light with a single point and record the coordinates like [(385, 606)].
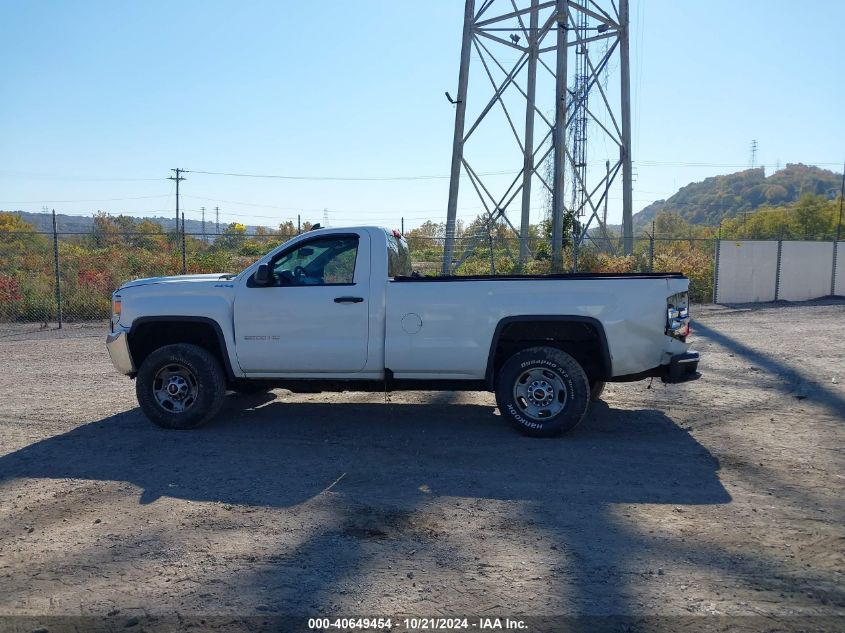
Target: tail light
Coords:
[(677, 316)]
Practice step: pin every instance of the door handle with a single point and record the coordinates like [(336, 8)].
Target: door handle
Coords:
[(348, 299)]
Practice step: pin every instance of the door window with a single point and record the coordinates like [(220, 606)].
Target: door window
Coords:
[(323, 261)]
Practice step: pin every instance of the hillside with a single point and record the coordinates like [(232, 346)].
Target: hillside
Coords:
[(724, 197), (85, 223)]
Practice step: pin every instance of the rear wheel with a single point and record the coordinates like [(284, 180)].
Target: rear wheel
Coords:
[(180, 386), (543, 391)]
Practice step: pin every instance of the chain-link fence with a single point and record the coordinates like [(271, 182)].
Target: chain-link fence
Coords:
[(482, 255), (27, 279), (48, 278)]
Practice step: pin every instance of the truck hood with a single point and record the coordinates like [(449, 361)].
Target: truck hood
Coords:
[(175, 279)]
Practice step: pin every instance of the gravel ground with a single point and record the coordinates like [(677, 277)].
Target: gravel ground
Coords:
[(719, 497)]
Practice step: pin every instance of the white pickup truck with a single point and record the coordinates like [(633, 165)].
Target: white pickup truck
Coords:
[(341, 310)]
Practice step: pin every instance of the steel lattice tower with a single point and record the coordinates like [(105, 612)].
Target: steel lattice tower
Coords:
[(543, 36)]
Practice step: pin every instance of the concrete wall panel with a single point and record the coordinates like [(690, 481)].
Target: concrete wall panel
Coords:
[(747, 271), (805, 269), (840, 270)]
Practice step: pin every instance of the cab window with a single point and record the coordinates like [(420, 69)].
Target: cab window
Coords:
[(323, 261), (398, 258)]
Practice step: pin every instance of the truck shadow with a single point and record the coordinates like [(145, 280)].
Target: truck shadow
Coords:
[(282, 454), (382, 467)]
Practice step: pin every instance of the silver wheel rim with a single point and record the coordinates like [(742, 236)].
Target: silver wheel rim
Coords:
[(175, 388), (540, 394)]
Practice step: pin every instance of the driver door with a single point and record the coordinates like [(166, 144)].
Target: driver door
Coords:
[(313, 315)]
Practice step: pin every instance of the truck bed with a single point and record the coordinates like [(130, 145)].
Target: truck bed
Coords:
[(556, 276)]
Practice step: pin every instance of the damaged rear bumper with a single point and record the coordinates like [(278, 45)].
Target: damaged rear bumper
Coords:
[(681, 368)]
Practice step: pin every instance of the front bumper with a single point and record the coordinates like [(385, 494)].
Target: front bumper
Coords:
[(681, 368), (118, 347)]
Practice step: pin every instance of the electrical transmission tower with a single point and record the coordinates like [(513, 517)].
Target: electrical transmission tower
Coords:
[(753, 162), (525, 48)]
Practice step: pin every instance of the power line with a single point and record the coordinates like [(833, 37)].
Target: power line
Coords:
[(320, 210), (19, 175), (88, 200), (341, 178)]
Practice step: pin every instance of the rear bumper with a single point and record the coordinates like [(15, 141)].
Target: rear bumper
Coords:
[(118, 347), (681, 368)]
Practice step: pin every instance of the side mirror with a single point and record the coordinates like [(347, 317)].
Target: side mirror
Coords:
[(262, 275)]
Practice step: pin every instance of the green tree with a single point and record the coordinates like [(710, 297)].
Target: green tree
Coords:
[(232, 237)]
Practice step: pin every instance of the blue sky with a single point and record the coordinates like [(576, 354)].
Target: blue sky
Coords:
[(101, 99)]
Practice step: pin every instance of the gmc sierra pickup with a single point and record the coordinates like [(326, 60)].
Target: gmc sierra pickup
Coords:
[(339, 309)]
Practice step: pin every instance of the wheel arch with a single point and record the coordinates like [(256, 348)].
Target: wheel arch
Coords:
[(153, 332), (579, 336)]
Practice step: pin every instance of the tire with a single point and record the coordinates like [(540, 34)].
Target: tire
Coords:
[(559, 400), (180, 386), (596, 389)]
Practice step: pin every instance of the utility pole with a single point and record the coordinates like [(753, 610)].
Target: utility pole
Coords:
[(177, 178), (57, 273), (203, 223), (841, 196), (184, 249), (298, 223), (217, 219), (402, 229)]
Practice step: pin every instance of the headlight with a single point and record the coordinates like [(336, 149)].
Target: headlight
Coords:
[(677, 316)]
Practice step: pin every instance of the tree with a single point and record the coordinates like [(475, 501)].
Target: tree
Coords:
[(106, 230), (19, 232), (810, 215), (426, 236), (148, 235), (232, 237), (287, 230), (669, 224)]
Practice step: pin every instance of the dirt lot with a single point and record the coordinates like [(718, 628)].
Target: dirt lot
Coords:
[(718, 497)]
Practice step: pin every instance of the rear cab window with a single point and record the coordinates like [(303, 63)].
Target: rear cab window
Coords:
[(398, 256)]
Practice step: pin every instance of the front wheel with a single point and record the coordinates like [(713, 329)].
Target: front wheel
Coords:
[(180, 386), (543, 391)]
